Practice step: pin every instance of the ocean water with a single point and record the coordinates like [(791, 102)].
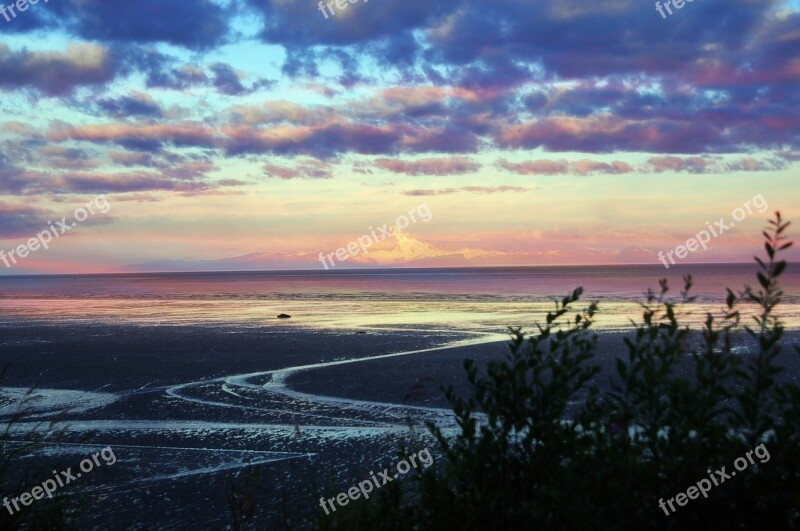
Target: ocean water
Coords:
[(477, 299)]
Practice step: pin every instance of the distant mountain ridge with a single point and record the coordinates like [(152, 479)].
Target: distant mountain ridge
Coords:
[(399, 249)]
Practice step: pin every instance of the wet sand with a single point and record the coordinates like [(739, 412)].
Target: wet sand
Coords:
[(185, 408)]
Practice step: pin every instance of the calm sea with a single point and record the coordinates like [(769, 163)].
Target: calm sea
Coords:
[(487, 299)]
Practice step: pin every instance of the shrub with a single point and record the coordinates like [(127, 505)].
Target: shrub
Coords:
[(45, 514), (541, 445)]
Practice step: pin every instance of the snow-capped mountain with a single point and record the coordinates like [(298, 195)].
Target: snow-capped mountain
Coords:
[(399, 249)]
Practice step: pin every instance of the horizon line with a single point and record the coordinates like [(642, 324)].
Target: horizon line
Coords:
[(365, 269)]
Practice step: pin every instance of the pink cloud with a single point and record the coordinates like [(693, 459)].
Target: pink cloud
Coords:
[(443, 166)]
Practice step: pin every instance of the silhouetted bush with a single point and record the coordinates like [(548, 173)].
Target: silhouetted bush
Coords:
[(47, 514), (541, 446)]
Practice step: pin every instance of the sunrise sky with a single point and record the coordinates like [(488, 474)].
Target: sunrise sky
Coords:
[(552, 131)]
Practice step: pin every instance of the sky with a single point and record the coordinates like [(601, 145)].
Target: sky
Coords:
[(536, 132)]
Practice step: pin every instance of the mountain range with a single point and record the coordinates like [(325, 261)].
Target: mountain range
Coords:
[(398, 250)]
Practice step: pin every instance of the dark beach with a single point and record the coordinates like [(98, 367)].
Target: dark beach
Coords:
[(185, 409)]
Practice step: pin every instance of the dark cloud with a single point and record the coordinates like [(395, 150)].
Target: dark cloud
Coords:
[(456, 78), (505, 42), (165, 72), (76, 171), (193, 24), (60, 157), (15, 180), (325, 141), (137, 104), (131, 158), (56, 73), (227, 80), (128, 182), (20, 221), (300, 25), (97, 182), (145, 136), (715, 78)]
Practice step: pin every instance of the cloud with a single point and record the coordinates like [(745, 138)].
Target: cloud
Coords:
[(455, 80), (21, 220), (15, 180), (131, 158), (441, 191), (147, 136), (280, 112), (657, 164), (791, 156), (137, 104), (470, 189), (679, 164), (605, 134), (308, 169), (163, 72), (56, 73), (85, 182), (138, 197), (753, 164), (508, 41), (74, 170), (59, 157), (192, 24), (493, 189), (536, 167), (227, 80), (21, 129), (692, 87), (588, 167), (323, 141), (444, 166)]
